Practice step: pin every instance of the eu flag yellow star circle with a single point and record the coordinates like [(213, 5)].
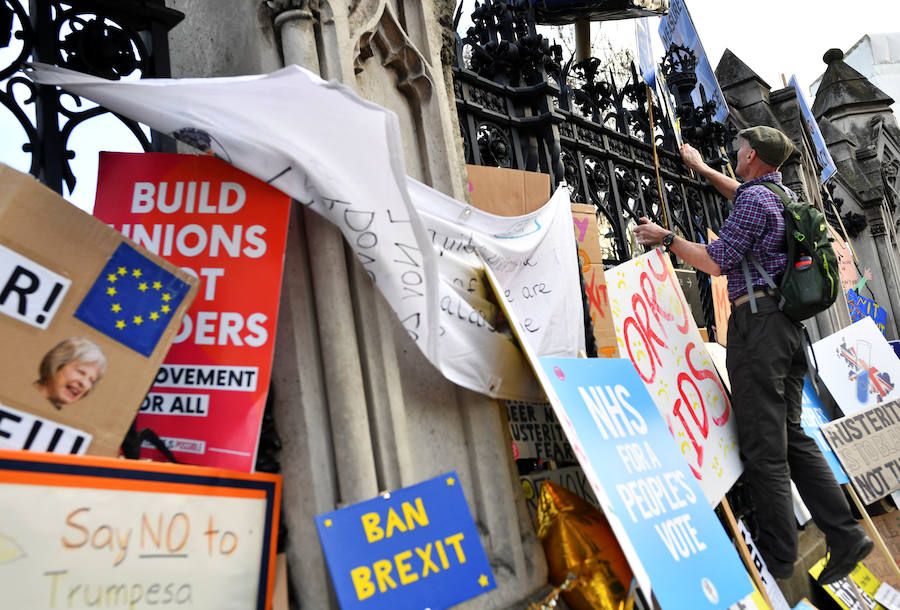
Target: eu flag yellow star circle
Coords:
[(133, 300)]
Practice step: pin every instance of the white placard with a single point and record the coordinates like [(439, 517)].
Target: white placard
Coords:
[(29, 292)]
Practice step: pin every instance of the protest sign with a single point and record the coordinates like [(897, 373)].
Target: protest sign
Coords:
[(672, 539), (81, 341), (83, 531), (644, 47), (812, 418), (822, 153), (590, 256), (228, 229), (677, 28), (658, 334), (768, 581), (868, 445), (858, 366), (848, 592), (342, 157), (721, 304), (846, 267), (415, 547), (861, 307), (535, 432)]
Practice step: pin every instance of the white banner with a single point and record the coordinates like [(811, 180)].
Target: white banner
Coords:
[(657, 332), (342, 156)]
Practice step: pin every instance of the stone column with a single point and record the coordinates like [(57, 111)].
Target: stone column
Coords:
[(888, 270)]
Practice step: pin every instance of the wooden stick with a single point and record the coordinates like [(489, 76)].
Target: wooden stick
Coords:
[(727, 163), (879, 541), (662, 202), (743, 552)]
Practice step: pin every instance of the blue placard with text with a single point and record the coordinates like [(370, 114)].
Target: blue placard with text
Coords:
[(652, 499), (416, 547), (812, 416)]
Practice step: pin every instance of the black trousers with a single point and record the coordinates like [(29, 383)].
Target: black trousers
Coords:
[(766, 366)]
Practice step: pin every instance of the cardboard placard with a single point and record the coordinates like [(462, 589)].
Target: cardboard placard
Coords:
[(721, 304), (507, 192), (590, 255), (415, 547), (657, 333), (80, 531), (868, 445), (655, 506), (846, 267), (85, 320), (229, 229), (571, 478), (858, 366)]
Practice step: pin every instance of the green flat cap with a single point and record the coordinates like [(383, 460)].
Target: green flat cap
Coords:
[(770, 145)]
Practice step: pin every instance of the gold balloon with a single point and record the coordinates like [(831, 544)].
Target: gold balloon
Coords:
[(577, 540)]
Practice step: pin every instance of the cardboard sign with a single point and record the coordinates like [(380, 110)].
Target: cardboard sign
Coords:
[(721, 304), (571, 478), (846, 267), (416, 547), (535, 432), (85, 320), (868, 445), (82, 532), (671, 538), (861, 307), (657, 333), (590, 256), (228, 229), (858, 366), (812, 418)]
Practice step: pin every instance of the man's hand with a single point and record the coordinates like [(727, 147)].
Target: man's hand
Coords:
[(649, 233), (692, 157)]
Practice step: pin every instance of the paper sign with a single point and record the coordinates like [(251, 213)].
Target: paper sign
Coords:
[(768, 581), (658, 334), (812, 418), (671, 538), (861, 307), (868, 446), (82, 532), (822, 154), (590, 257), (888, 596), (228, 229), (571, 478), (535, 432), (860, 583), (85, 320), (846, 267), (858, 366), (416, 547)]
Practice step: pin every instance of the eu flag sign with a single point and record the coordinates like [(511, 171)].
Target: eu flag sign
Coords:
[(132, 300)]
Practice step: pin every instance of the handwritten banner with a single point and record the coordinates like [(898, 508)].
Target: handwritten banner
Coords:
[(81, 532), (868, 446), (228, 229), (416, 547), (673, 541), (656, 331)]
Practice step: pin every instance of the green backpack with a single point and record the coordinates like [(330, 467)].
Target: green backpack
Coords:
[(810, 282)]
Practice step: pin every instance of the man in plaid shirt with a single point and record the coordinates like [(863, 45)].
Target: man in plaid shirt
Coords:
[(765, 361)]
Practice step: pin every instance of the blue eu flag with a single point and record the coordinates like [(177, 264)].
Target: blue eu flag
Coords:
[(132, 300)]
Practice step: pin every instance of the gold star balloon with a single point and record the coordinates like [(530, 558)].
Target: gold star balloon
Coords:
[(577, 540)]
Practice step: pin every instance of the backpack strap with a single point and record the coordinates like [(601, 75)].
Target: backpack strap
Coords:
[(765, 275)]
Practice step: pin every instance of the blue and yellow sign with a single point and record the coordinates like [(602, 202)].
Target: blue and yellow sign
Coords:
[(413, 548), (132, 300)]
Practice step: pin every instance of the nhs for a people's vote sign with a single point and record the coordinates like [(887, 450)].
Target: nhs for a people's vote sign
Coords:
[(412, 548), (670, 536)]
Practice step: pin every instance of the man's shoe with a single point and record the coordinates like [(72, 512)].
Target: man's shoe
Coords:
[(842, 560)]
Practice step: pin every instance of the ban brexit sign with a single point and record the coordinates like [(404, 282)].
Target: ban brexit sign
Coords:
[(413, 548)]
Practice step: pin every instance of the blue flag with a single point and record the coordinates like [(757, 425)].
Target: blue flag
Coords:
[(828, 166), (646, 64), (677, 28), (133, 300)]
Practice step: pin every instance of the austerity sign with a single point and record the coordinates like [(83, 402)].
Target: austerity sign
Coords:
[(228, 229), (416, 547)]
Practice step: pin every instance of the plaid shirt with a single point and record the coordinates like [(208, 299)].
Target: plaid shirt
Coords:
[(756, 225)]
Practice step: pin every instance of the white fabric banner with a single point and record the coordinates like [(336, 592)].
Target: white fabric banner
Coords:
[(656, 331), (342, 156)]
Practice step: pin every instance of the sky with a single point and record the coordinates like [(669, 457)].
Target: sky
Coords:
[(773, 37)]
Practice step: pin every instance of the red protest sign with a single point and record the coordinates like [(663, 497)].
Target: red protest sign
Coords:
[(227, 228)]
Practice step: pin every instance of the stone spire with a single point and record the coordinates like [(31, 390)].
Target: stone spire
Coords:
[(843, 87)]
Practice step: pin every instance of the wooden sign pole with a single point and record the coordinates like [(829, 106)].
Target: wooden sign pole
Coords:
[(743, 552), (659, 188)]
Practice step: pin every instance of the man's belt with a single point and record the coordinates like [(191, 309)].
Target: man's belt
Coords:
[(758, 293)]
